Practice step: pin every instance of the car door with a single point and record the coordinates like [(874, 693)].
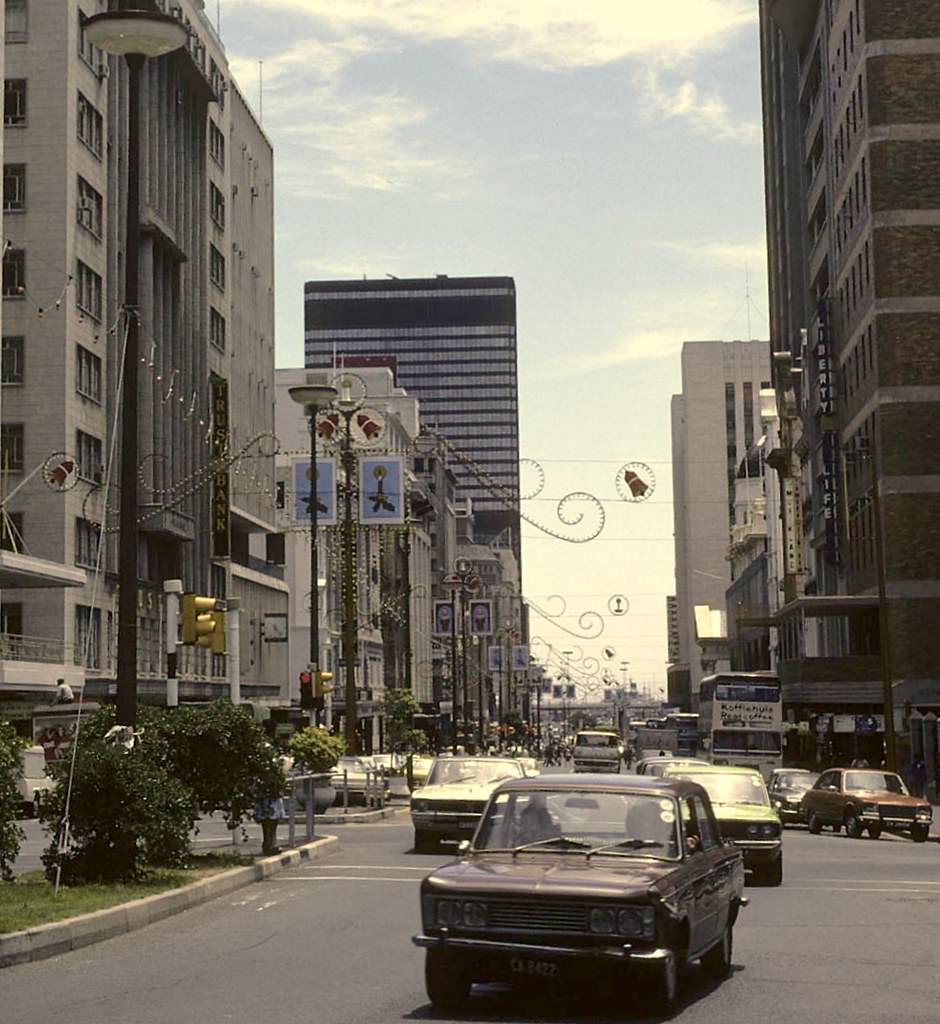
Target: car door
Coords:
[(826, 797), (703, 903)]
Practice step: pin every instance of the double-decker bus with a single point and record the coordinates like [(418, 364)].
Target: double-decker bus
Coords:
[(687, 731), (741, 720)]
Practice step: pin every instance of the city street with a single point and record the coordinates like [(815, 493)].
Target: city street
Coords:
[(852, 936)]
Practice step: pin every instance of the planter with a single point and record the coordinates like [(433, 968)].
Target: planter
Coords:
[(323, 793)]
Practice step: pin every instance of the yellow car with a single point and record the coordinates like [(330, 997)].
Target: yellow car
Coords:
[(420, 766)]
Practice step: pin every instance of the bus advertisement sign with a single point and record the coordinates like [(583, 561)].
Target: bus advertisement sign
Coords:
[(745, 714)]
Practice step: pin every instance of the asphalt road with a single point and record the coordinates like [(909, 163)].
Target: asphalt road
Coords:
[(853, 935)]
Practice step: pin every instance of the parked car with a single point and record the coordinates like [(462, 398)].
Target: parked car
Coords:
[(420, 768), (572, 879), (451, 803), (356, 775), (745, 816), (786, 787), (866, 798), (32, 783)]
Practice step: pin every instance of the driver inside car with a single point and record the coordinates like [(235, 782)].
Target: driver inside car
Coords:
[(535, 822)]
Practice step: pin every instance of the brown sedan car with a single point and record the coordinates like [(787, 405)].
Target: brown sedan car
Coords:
[(865, 798), (575, 877)]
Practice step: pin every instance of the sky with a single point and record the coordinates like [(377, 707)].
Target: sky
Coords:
[(607, 155)]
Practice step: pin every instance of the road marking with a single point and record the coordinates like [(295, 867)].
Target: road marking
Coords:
[(813, 888), (365, 867), (344, 878), (880, 881)]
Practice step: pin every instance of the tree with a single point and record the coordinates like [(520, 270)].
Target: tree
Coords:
[(315, 749), (11, 835), (400, 709)]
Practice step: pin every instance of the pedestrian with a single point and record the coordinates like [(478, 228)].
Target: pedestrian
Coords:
[(918, 777), (269, 813)]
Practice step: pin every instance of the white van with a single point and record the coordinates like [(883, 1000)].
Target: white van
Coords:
[(33, 782)]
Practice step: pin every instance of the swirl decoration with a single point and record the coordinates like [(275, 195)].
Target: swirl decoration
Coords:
[(591, 623), (539, 484)]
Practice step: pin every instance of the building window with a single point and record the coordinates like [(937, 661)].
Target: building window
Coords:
[(11, 359), (14, 187), (14, 101), (14, 273), (11, 531), (216, 206), (11, 448), (748, 415), (16, 21), (217, 329), (216, 267), (87, 373), (11, 619), (88, 452), (216, 144), (90, 125), (87, 649), (87, 537), (219, 85), (90, 208), (88, 290), (89, 53)]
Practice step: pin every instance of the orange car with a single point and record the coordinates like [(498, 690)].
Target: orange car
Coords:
[(866, 798)]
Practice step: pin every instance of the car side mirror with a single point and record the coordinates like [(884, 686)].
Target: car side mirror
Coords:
[(463, 848)]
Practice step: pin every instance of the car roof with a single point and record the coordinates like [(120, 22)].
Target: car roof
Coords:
[(719, 769), (605, 783), (477, 757), (793, 771)]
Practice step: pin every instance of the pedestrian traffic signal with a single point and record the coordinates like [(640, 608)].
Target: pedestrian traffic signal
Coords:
[(323, 678), (204, 622), (307, 701)]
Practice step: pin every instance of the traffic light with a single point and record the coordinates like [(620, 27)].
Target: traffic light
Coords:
[(306, 691), (204, 622), (323, 678)]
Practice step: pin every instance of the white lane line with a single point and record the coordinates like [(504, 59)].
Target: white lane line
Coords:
[(366, 867), (878, 881), (347, 878), (811, 888)]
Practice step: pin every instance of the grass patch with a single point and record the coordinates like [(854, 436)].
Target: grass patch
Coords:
[(30, 900)]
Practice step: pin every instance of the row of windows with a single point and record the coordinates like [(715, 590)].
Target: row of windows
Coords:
[(12, 451), (860, 363), (416, 293), (365, 333), (853, 206), (850, 125), (856, 285)]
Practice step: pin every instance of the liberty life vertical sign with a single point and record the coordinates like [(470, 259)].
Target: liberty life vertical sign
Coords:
[(220, 477), (824, 381)]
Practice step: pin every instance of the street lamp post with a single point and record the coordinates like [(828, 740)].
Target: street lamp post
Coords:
[(347, 406), (135, 35), (314, 397)]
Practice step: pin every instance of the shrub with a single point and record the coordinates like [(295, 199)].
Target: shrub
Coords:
[(11, 835), (220, 752), (128, 812), (316, 749), (400, 709)]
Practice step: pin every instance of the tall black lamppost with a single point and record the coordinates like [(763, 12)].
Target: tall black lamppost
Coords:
[(314, 397), (463, 580), (134, 35)]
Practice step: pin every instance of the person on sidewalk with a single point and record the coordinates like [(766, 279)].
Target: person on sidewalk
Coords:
[(269, 812)]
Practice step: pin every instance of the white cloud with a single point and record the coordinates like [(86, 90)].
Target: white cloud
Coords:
[(548, 34), (705, 112)]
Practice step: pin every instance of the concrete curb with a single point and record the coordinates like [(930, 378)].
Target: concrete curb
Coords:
[(75, 932), (359, 817)]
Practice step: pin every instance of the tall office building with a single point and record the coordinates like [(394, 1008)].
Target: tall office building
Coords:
[(451, 343), (851, 123), (715, 420), (206, 373)]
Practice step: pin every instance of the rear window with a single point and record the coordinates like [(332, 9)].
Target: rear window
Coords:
[(596, 739)]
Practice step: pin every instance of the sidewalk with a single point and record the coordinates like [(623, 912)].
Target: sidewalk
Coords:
[(75, 932)]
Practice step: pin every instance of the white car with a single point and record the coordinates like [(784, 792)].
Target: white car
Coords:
[(353, 774), (529, 765), (450, 804)]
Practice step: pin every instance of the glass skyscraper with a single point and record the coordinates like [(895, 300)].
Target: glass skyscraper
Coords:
[(450, 342)]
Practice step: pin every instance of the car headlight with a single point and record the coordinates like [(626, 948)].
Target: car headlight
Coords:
[(769, 830), (602, 920), (449, 913), (637, 922), (870, 809), (924, 814), (420, 806), (778, 803), (753, 830), (474, 915)]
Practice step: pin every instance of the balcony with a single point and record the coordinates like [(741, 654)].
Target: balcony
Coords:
[(169, 522), (35, 663)]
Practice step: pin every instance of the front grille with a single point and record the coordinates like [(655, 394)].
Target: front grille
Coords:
[(456, 806), (518, 916), (896, 811), (737, 830)]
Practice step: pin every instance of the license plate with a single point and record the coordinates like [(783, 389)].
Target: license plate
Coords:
[(533, 968)]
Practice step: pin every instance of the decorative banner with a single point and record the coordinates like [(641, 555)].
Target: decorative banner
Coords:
[(220, 476), (443, 619), (618, 605), (381, 497), (557, 692), (326, 492), (572, 692), (792, 527), (496, 659), (519, 660), (61, 471), (546, 686), (608, 695), (481, 618)]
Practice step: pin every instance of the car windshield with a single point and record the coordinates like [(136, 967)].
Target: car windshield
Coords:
[(875, 782), (353, 764), (597, 739), (449, 772), (799, 781), (731, 789), (581, 822)]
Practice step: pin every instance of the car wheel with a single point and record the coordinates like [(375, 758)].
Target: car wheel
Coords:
[(813, 823), (717, 961), (773, 874), (874, 831), (423, 842), (663, 987), (446, 982), (853, 825), (919, 833)]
